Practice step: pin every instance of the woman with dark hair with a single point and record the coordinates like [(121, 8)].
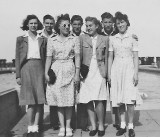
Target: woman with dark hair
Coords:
[(30, 62), (60, 53), (123, 72), (94, 52)]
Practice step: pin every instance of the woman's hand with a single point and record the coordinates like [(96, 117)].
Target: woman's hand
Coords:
[(135, 79), (135, 37), (18, 80), (109, 80), (47, 78), (77, 82)]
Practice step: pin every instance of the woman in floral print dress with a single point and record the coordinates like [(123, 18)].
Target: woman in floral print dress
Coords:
[(60, 53)]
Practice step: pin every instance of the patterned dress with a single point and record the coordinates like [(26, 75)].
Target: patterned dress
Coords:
[(122, 71), (61, 94)]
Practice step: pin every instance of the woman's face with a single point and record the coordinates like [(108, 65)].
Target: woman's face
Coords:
[(121, 25), (33, 25), (64, 27), (91, 28)]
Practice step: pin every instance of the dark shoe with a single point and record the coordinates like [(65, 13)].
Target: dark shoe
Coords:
[(116, 126), (56, 127), (101, 133), (36, 134), (41, 128), (131, 133), (93, 132), (85, 129), (30, 134), (121, 131)]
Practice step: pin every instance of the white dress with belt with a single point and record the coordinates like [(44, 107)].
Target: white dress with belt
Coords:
[(122, 71)]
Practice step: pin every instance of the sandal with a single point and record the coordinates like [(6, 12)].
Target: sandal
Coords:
[(69, 132), (61, 132)]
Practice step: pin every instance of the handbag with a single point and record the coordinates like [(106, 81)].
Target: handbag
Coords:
[(84, 71), (52, 76)]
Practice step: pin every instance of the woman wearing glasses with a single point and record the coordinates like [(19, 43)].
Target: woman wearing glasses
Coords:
[(60, 53)]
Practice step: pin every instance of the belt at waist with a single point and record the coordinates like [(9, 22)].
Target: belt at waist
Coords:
[(64, 60)]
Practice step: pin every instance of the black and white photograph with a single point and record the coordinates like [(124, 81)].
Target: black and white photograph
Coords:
[(80, 68)]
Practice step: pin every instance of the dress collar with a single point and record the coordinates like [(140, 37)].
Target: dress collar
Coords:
[(67, 38), (94, 38), (122, 36), (27, 35)]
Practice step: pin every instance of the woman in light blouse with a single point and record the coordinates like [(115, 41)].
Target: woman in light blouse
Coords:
[(60, 53), (30, 60), (93, 92), (123, 72)]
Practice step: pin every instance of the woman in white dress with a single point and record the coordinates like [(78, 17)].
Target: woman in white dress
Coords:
[(60, 53), (123, 72), (94, 49)]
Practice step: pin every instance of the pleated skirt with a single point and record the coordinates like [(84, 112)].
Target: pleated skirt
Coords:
[(32, 83)]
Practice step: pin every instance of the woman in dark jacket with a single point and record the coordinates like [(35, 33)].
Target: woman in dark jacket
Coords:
[(30, 59)]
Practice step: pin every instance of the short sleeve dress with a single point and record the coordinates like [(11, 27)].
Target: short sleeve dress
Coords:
[(122, 70), (61, 93)]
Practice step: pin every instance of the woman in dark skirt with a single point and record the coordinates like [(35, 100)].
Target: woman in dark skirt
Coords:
[(30, 61)]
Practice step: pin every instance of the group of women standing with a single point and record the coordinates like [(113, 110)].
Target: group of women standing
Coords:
[(98, 59)]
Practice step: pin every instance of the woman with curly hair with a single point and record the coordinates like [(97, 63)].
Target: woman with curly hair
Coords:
[(93, 92), (123, 72), (30, 63), (60, 53)]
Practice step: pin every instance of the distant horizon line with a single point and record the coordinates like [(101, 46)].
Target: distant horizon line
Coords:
[(10, 60)]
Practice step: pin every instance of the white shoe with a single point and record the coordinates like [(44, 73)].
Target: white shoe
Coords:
[(30, 129), (35, 128), (69, 132), (61, 132)]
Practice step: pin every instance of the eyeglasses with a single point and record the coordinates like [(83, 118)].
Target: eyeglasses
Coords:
[(66, 25)]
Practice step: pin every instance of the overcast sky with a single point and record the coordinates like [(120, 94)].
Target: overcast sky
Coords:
[(143, 16)]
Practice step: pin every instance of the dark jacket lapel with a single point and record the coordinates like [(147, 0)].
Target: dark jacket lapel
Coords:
[(25, 45), (42, 48), (40, 41)]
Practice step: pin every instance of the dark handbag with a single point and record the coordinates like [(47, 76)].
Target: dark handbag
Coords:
[(84, 71), (52, 76)]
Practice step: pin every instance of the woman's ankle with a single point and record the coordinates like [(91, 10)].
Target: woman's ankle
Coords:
[(101, 127), (93, 127), (62, 127)]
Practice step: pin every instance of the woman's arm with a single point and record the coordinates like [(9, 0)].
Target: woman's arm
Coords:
[(110, 61), (49, 57), (77, 64), (77, 50), (17, 62), (136, 66), (47, 67), (106, 56), (135, 37)]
